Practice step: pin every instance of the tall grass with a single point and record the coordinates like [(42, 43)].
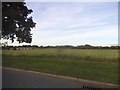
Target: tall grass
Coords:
[(79, 54)]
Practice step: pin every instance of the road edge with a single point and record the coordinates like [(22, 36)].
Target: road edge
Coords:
[(83, 81)]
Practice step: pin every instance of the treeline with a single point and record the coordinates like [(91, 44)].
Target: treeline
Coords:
[(63, 46)]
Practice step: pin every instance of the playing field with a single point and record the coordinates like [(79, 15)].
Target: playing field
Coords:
[(92, 64)]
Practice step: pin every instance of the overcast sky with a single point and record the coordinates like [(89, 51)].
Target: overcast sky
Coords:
[(70, 23)]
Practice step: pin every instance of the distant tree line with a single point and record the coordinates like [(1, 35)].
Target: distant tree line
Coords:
[(62, 46)]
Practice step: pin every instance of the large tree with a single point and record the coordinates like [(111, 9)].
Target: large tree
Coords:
[(16, 25)]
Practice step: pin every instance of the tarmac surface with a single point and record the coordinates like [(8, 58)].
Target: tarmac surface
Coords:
[(19, 79)]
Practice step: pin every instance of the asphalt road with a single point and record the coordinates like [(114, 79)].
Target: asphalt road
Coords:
[(20, 79)]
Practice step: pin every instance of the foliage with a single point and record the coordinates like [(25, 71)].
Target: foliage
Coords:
[(66, 46), (16, 23)]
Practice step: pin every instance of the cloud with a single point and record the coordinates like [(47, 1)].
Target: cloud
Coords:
[(108, 35), (72, 1), (74, 23), (69, 24), (55, 17)]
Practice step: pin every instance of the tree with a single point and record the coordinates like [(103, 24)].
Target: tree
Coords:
[(16, 23)]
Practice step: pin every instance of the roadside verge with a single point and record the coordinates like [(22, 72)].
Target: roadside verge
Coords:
[(83, 82)]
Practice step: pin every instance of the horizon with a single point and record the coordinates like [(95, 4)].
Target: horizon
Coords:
[(67, 45)]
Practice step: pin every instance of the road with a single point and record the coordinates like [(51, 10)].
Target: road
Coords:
[(20, 79)]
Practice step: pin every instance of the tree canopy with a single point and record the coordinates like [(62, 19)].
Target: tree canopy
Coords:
[(16, 25)]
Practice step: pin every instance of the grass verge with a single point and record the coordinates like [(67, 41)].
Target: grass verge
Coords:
[(99, 71)]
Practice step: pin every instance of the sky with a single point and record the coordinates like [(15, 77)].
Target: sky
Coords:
[(74, 23)]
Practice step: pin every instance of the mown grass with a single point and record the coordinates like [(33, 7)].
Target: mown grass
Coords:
[(100, 65)]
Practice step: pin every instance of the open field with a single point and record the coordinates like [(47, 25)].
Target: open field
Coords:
[(92, 64)]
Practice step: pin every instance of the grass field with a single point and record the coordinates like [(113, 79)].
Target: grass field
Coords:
[(92, 64)]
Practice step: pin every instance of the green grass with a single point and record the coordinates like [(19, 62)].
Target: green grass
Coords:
[(99, 65), (86, 54)]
